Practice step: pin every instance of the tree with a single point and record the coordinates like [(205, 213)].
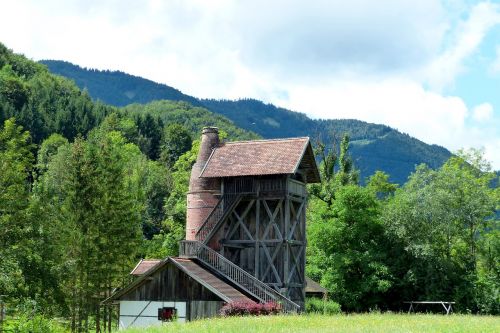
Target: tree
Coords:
[(441, 217), (176, 141), (91, 199), (49, 148), (336, 170), (347, 249), (380, 185), (150, 129), (16, 162)]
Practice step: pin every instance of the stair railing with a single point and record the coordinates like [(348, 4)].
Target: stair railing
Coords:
[(235, 274), (223, 206)]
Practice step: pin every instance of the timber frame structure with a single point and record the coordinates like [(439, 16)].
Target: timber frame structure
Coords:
[(265, 233), (246, 206)]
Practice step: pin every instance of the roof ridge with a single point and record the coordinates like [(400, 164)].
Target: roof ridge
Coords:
[(267, 140)]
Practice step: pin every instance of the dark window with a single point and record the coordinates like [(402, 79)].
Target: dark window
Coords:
[(166, 314)]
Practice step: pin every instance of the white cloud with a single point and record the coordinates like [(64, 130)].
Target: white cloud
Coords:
[(406, 106), (368, 60), (482, 112), (443, 71), (402, 104)]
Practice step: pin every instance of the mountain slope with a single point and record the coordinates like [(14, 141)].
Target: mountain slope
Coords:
[(44, 103), (374, 147), (115, 87)]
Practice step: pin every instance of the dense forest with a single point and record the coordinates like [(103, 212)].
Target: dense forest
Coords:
[(374, 147), (87, 189)]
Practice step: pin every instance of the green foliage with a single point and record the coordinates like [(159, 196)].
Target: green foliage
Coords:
[(167, 242), (176, 141), (36, 323), (192, 118), (49, 148), (90, 195), (442, 220), (380, 185), (16, 161), (322, 306), (336, 170), (347, 249), (115, 87), (44, 103)]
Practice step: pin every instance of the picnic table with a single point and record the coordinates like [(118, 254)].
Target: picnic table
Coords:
[(446, 305)]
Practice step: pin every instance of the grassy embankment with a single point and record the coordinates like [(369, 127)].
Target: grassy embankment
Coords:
[(338, 323)]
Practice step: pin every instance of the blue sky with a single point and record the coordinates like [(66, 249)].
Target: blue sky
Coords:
[(429, 68)]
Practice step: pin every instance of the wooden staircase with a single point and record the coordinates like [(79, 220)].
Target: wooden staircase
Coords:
[(216, 218), (236, 275)]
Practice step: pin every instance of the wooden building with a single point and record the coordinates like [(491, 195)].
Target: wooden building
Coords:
[(173, 289), (314, 289), (245, 232)]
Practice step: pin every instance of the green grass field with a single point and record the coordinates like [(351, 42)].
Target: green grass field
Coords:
[(339, 323)]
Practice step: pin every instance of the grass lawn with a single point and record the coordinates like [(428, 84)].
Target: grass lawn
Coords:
[(338, 323)]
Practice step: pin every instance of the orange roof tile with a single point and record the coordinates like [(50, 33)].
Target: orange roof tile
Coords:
[(144, 265), (262, 157)]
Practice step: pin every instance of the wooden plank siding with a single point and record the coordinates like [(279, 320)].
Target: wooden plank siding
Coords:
[(171, 284), (183, 280), (203, 309)]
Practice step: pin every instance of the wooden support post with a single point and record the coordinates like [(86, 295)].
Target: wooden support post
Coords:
[(286, 243), (257, 238)]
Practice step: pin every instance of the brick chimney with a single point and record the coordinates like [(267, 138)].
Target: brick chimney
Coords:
[(203, 193)]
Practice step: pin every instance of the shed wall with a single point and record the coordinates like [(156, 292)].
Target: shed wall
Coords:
[(168, 287), (145, 313), (170, 284)]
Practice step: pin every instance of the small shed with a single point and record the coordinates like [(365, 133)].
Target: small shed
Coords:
[(174, 289), (314, 289)]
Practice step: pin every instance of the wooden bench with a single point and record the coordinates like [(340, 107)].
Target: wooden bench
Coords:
[(446, 305)]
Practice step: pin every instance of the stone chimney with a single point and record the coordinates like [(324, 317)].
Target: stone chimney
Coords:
[(203, 193)]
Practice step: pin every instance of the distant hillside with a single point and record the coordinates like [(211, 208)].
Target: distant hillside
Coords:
[(374, 147), (116, 88), (44, 103)]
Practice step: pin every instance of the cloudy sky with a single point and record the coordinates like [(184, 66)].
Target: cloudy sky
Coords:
[(429, 68)]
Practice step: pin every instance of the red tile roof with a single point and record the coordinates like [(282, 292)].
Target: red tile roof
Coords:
[(262, 157), (144, 265)]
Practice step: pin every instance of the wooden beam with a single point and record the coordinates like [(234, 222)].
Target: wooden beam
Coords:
[(257, 236), (286, 254)]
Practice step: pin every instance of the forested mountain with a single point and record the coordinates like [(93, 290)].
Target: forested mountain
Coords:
[(374, 147), (115, 87)]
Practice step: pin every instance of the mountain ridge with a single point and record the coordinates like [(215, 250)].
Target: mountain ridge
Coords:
[(373, 146)]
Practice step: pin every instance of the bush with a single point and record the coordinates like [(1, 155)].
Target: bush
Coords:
[(37, 324), (327, 307), (249, 309)]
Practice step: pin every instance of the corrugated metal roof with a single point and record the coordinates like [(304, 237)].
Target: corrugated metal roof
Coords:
[(262, 157)]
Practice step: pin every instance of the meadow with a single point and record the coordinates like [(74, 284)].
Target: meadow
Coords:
[(338, 323)]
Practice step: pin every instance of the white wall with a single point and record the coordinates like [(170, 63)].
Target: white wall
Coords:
[(145, 313)]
